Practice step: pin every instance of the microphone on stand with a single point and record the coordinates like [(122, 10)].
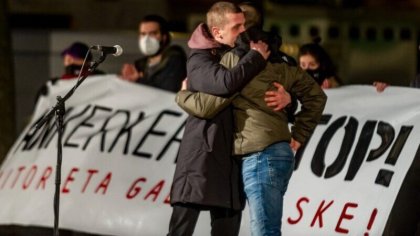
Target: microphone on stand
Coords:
[(114, 50)]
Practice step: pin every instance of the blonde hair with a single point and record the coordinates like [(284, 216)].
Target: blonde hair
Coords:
[(216, 15)]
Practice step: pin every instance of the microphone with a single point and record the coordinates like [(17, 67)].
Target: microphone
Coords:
[(114, 50)]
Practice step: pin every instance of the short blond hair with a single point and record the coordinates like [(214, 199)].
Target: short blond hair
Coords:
[(216, 15)]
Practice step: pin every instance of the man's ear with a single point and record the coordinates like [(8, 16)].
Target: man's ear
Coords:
[(215, 31), (164, 39)]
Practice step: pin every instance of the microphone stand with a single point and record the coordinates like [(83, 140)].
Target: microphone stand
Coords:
[(59, 111)]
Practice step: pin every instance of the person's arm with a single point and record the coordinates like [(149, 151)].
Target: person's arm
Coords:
[(204, 105), (207, 106), (279, 99), (201, 105), (312, 99), (206, 74)]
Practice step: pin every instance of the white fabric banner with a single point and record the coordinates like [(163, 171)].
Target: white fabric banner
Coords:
[(119, 150)]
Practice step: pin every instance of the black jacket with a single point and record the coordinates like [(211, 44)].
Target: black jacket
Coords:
[(168, 74), (206, 174)]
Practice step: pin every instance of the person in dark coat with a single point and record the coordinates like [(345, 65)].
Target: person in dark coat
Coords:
[(407, 203), (207, 177)]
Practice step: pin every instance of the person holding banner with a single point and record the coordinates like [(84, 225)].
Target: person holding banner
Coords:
[(73, 58), (163, 65), (261, 137), (317, 62), (206, 176), (407, 202)]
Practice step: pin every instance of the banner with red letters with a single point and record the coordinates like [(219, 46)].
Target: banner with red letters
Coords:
[(120, 142)]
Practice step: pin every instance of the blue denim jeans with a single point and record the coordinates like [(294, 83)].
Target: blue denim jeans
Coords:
[(265, 176)]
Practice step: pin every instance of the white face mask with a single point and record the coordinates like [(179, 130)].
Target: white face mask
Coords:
[(149, 45)]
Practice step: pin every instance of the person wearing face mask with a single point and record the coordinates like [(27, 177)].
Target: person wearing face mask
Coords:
[(73, 58), (162, 65), (316, 61)]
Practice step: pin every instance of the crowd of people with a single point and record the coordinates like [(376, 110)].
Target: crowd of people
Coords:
[(225, 76)]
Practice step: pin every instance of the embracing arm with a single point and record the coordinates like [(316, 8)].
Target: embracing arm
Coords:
[(206, 74), (313, 100), (204, 105), (201, 105)]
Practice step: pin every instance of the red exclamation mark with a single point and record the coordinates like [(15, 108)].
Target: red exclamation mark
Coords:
[(372, 218)]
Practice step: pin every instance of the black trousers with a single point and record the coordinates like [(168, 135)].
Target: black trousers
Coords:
[(404, 219), (224, 222)]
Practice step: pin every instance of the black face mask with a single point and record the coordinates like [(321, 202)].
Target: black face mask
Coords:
[(72, 69), (317, 75)]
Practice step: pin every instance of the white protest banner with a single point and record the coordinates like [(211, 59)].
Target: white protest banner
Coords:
[(119, 151), (119, 148), (353, 166)]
